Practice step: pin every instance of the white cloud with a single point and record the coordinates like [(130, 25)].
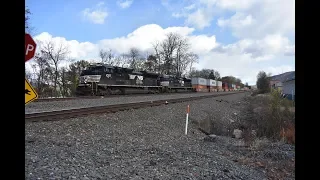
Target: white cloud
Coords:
[(124, 4), (290, 50), (145, 35), (239, 20), (260, 49), (263, 17), (190, 7), (235, 4), (249, 19), (177, 15), (77, 49), (241, 66), (237, 59), (200, 19), (96, 15)]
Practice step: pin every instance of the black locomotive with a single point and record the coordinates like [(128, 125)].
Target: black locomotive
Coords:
[(102, 79)]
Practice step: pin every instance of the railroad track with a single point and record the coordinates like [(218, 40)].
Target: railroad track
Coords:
[(71, 113), (65, 99), (99, 97)]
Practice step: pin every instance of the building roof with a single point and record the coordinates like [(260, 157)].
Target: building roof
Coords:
[(288, 76)]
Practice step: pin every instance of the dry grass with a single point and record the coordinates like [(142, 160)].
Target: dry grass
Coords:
[(288, 133), (267, 115), (273, 117)]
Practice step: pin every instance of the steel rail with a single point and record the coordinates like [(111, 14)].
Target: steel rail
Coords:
[(71, 113)]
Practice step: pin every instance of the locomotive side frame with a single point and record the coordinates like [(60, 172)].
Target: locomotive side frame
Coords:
[(97, 89)]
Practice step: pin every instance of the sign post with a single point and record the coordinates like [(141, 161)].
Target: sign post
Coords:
[(30, 93), (30, 47)]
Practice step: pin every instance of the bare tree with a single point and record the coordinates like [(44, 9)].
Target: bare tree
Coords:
[(151, 63), (43, 66), (181, 58), (134, 56), (121, 60), (102, 55), (217, 75), (73, 74), (28, 75), (27, 13), (169, 45), (156, 48), (63, 82), (173, 55), (107, 56), (56, 54), (110, 57), (192, 58)]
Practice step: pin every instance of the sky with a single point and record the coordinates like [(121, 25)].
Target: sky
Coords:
[(235, 37)]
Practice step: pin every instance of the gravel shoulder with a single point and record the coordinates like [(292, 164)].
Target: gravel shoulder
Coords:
[(81, 103), (148, 143)]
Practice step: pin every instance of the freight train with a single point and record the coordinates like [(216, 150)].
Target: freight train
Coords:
[(102, 79)]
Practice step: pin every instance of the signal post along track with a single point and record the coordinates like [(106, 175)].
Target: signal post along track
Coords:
[(71, 113)]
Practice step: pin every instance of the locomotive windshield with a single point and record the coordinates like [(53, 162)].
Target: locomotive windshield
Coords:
[(94, 70)]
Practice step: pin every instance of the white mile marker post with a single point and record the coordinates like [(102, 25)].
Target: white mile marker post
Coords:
[(187, 116)]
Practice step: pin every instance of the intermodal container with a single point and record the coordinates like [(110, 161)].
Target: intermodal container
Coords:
[(224, 84), (211, 82), (213, 89), (199, 81), (200, 88)]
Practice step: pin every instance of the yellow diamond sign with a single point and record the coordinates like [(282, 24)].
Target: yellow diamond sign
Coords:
[(30, 93)]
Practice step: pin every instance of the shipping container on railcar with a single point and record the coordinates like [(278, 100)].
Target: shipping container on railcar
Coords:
[(225, 86), (212, 85), (219, 85), (233, 87), (199, 84)]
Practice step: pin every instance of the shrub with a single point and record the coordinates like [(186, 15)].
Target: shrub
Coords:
[(274, 119)]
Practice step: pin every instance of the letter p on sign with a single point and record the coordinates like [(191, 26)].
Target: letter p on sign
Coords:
[(30, 47)]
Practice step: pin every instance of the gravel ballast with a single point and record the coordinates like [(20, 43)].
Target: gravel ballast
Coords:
[(34, 107), (147, 143)]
